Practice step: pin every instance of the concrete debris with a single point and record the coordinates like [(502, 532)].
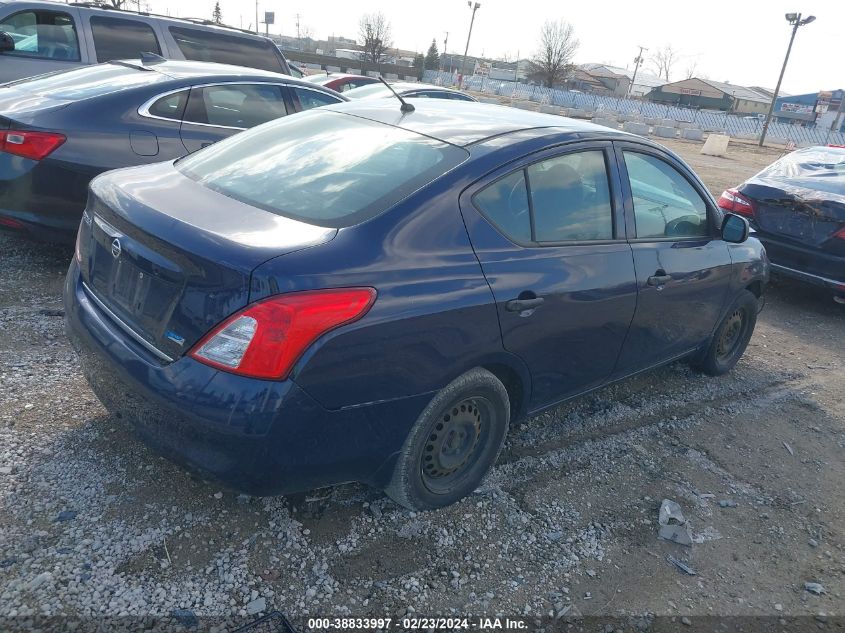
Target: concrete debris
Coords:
[(814, 587), (673, 525), (727, 503), (788, 448)]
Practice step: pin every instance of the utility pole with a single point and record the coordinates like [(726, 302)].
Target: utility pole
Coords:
[(795, 20), (474, 8), (637, 61), (446, 48), (257, 32), (297, 29)]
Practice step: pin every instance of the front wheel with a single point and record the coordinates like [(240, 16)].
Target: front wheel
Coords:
[(731, 337), (453, 444)]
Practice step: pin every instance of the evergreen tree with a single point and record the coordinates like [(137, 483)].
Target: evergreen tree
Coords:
[(217, 14), (432, 57)]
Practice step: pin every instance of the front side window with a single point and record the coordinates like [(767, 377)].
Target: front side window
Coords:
[(665, 203), (312, 99), (214, 46), (42, 35), (235, 105), (322, 167), (118, 38)]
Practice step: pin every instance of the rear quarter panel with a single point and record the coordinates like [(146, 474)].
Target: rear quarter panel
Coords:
[(434, 317)]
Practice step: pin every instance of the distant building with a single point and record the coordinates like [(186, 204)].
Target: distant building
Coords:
[(510, 71), (713, 95), (643, 82), (816, 109)]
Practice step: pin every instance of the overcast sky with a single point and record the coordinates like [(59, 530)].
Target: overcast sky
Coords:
[(740, 41)]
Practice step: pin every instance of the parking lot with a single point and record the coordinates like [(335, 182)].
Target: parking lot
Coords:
[(93, 523)]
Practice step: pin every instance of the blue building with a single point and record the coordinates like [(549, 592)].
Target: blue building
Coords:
[(817, 109)]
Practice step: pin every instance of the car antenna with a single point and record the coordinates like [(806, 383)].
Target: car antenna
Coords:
[(406, 107)]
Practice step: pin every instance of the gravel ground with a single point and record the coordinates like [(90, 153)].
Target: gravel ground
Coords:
[(92, 523)]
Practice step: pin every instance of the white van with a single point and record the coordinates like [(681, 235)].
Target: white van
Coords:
[(40, 36)]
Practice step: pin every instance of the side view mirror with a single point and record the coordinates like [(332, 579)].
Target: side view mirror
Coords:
[(7, 42), (735, 229)]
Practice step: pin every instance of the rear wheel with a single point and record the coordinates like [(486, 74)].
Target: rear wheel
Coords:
[(453, 444), (731, 337)]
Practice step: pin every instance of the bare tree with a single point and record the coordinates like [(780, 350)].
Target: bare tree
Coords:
[(692, 69), (374, 31), (663, 60), (553, 60)]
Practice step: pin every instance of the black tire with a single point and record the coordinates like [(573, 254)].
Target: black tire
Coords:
[(454, 443), (731, 338)]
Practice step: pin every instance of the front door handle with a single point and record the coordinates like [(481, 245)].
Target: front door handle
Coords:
[(521, 305), (660, 278)]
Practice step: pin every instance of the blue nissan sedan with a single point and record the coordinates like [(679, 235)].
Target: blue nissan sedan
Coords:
[(363, 293)]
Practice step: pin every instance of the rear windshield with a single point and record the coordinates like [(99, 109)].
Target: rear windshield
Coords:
[(214, 46), (322, 167), (86, 82), (821, 168)]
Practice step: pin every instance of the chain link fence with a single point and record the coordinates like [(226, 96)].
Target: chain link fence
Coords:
[(736, 125)]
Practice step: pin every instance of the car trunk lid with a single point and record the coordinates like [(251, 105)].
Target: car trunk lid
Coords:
[(807, 216), (169, 259)]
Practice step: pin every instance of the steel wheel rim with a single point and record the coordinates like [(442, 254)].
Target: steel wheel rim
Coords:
[(455, 444), (731, 335)]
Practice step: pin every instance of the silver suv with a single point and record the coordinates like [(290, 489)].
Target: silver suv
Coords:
[(41, 36)]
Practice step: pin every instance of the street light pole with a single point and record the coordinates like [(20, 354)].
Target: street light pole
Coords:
[(795, 20), (474, 8)]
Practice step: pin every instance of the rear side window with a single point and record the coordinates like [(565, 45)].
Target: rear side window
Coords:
[(505, 204), (235, 105), (322, 167), (570, 196), (214, 46), (665, 203), (43, 35), (561, 199), (170, 106), (312, 98), (117, 38)]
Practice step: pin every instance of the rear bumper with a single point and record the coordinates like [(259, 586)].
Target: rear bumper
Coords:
[(261, 437), (807, 264), (47, 197)]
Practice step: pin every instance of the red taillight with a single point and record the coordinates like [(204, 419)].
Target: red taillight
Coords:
[(840, 234), (33, 145), (265, 339), (10, 223), (733, 201)]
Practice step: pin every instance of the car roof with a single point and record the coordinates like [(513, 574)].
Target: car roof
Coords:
[(407, 86), (104, 9), (463, 122), (182, 69)]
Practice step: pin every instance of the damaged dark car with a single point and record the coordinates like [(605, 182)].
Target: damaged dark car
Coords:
[(797, 208)]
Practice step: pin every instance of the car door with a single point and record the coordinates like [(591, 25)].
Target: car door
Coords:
[(217, 111), (549, 233), (683, 267), (46, 40)]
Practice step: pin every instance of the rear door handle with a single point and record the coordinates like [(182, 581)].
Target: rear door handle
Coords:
[(521, 305), (659, 279)]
